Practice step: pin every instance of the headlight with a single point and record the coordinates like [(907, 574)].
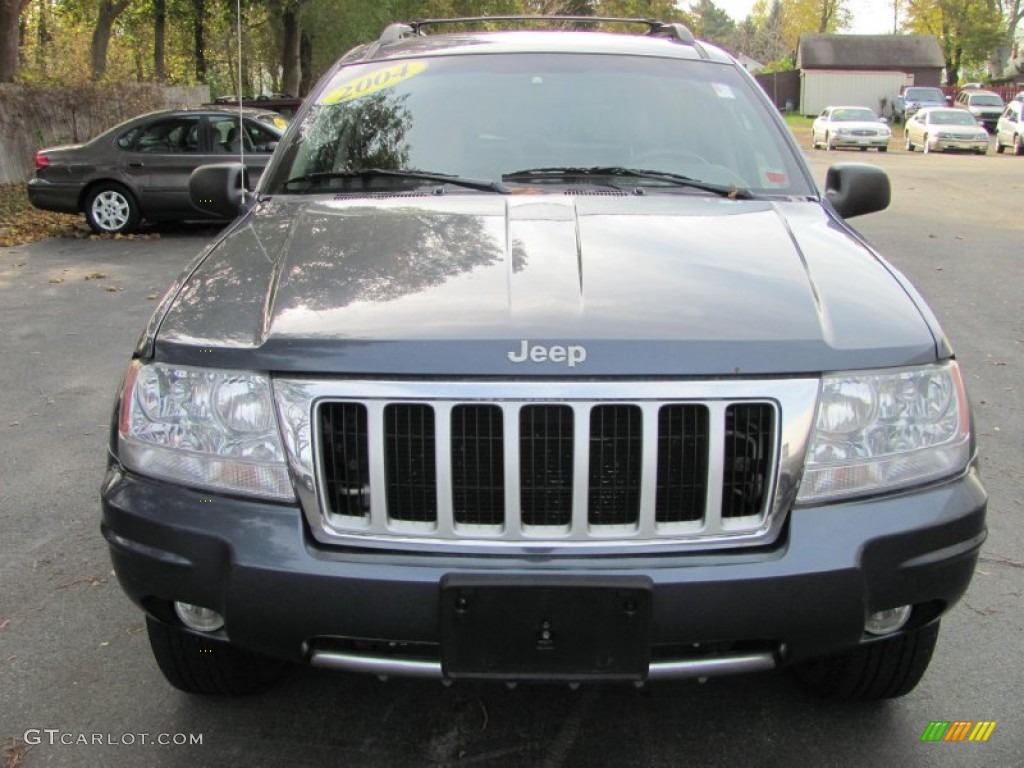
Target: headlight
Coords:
[(878, 432), (842, 131), (941, 135), (205, 428)]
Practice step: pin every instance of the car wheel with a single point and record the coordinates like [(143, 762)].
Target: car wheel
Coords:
[(883, 670), (828, 143), (924, 144), (1018, 146), (111, 209), (999, 145), (196, 664), (883, 149), (907, 143), (863, 149)]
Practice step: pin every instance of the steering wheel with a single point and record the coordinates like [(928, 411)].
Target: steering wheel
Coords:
[(677, 160)]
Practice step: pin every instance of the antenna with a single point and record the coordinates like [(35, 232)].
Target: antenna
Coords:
[(241, 124)]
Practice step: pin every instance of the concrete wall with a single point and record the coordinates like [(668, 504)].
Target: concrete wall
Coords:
[(33, 118)]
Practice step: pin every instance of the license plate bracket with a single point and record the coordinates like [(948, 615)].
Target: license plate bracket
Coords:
[(545, 629)]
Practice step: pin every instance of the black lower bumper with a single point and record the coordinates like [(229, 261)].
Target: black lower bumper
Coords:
[(285, 596)]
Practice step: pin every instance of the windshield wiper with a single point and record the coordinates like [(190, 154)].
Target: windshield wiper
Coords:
[(484, 185), (676, 179)]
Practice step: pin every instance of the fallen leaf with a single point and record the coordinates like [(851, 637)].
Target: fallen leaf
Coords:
[(4, 624), (153, 296), (112, 289), (56, 279), (95, 276)]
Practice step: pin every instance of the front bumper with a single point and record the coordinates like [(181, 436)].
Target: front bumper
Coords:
[(285, 596), (873, 142), (963, 145)]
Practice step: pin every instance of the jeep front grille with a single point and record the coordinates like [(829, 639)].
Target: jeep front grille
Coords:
[(545, 466)]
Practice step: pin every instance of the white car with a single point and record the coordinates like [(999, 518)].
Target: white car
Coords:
[(856, 127), (938, 129), (1010, 128)]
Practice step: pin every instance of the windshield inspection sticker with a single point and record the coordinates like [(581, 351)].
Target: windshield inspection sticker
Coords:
[(723, 91), (371, 82)]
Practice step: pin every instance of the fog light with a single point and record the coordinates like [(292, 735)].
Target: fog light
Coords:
[(198, 618), (887, 621)]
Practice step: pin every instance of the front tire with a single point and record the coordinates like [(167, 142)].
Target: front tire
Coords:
[(924, 145), (199, 665), (828, 143), (907, 143), (885, 669), (111, 209), (1018, 145)]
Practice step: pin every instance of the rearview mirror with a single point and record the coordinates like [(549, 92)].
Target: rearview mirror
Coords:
[(218, 190), (857, 188)]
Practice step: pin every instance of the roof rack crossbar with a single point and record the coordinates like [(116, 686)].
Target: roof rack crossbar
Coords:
[(674, 31), (651, 24)]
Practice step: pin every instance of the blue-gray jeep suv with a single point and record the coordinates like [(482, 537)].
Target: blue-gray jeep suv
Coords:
[(538, 355)]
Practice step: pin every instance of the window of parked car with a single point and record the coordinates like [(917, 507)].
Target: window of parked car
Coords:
[(227, 138), (169, 136)]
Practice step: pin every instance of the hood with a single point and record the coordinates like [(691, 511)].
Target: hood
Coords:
[(534, 285)]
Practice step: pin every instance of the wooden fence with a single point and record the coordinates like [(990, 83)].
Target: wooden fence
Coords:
[(32, 118)]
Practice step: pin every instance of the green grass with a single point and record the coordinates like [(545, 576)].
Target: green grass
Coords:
[(793, 120)]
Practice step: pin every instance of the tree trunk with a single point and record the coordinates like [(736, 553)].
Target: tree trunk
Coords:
[(10, 14), (159, 27), (306, 63), (108, 12), (291, 62), (198, 41)]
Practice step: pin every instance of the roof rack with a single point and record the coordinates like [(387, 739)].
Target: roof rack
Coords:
[(393, 33)]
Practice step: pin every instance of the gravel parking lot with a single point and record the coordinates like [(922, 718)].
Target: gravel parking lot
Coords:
[(78, 686)]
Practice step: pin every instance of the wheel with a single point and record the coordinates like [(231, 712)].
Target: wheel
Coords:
[(907, 143), (863, 149), (883, 670), (883, 149), (999, 145), (199, 665), (1018, 146), (111, 209), (924, 144), (828, 143)]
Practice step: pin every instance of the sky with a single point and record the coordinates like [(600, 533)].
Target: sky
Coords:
[(870, 17)]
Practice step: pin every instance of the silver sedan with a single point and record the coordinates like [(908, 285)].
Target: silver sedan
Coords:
[(856, 127), (939, 129)]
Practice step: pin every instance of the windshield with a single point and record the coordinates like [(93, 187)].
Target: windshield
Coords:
[(986, 100), (486, 116), (923, 94), (854, 116), (952, 117)]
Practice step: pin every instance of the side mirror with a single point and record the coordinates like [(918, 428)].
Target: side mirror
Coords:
[(217, 190), (854, 189), (883, 119)]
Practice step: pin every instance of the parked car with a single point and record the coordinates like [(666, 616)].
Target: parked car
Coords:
[(1010, 128), (540, 356), (985, 106), (140, 168), (939, 129), (913, 97), (858, 127), (281, 103)]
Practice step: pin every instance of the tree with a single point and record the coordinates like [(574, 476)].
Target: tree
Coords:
[(107, 14), (10, 15), (968, 30), (1012, 11), (159, 28), (712, 22)]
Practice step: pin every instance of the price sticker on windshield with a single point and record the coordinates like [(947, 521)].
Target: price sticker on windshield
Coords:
[(374, 81)]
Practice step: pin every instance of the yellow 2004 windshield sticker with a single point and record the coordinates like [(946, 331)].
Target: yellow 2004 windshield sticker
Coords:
[(371, 82)]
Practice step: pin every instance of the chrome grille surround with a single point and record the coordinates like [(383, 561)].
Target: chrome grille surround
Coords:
[(793, 400)]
